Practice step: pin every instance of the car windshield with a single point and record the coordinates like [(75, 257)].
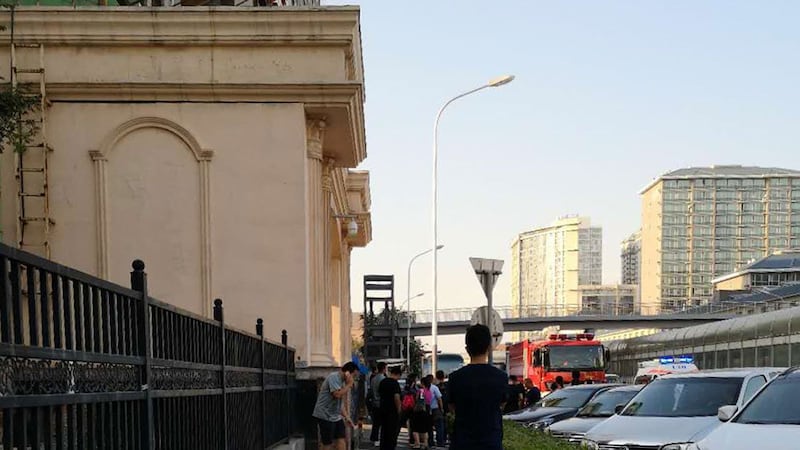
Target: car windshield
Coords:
[(685, 397), (567, 398), (564, 357), (605, 403), (448, 363), (778, 403)]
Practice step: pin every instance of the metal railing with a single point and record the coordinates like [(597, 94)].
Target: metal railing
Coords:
[(85, 363), (147, 3), (640, 310)]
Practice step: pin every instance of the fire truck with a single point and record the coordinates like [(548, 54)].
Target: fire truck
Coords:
[(558, 356)]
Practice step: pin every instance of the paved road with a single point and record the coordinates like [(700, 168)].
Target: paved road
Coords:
[(402, 442)]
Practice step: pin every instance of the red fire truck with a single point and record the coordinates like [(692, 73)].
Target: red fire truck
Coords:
[(559, 355)]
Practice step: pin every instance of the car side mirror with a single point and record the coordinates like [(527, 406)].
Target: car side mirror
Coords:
[(724, 413), (618, 409)]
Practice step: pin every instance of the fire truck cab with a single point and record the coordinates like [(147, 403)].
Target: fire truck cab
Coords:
[(558, 356)]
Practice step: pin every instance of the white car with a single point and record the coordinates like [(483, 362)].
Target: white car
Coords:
[(676, 410), (770, 421)]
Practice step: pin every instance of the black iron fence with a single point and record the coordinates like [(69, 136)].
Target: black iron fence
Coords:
[(88, 364)]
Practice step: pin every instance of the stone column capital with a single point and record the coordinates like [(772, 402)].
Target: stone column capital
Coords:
[(327, 176), (315, 136)]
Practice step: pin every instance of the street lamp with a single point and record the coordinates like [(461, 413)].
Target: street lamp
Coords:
[(408, 285), (497, 82), (408, 325)]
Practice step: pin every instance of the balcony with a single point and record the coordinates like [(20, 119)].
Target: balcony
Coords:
[(145, 3)]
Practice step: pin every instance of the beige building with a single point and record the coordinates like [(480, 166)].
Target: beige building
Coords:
[(216, 144), (631, 258), (549, 264), (778, 269), (705, 222), (613, 299)]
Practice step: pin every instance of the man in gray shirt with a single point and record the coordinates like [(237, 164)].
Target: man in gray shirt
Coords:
[(375, 435), (328, 410)]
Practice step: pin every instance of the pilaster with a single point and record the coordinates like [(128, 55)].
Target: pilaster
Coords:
[(318, 204)]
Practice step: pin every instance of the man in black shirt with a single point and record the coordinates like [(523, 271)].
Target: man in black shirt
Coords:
[(390, 407), (532, 393), (477, 394), (516, 395)]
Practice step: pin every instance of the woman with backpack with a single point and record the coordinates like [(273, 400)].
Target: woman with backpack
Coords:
[(408, 401), (421, 420)]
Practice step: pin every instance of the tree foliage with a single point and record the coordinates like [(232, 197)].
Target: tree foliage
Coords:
[(398, 319), (17, 126)]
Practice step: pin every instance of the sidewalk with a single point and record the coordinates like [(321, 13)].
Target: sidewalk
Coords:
[(402, 441)]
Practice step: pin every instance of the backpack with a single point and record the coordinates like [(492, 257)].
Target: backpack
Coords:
[(421, 404), (408, 401)]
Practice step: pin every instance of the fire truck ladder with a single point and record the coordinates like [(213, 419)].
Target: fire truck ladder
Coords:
[(33, 202)]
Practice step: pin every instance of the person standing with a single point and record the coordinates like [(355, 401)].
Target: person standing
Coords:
[(437, 414), (477, 395), (328, 409), (441, 433), (532, 393), (390, 409), (576, 378), (516, 395), (375, 435), (421, 422), (409, 399)]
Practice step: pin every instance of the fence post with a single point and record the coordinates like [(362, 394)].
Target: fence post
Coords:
[(289, 415), (219, 317), (260, 333), (139, 283)]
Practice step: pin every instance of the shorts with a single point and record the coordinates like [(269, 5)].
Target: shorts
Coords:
[(331, 431)]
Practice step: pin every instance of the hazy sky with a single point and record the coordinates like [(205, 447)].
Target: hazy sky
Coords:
[(608, 95)]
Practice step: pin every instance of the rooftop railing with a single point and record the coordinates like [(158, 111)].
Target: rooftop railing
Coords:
[(148, 3)]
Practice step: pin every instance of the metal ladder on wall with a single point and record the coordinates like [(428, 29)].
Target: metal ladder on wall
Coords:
[(33, 201)]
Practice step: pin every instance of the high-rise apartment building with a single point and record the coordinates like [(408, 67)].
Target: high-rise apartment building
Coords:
[(549, 264), (701, 223), (630, 258)]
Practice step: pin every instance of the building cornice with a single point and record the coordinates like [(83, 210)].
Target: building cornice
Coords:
[(109, 26)]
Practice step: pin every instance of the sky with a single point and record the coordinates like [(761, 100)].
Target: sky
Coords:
[(608, 95)]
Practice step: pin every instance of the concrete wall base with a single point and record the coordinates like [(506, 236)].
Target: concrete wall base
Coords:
[(293, 444)]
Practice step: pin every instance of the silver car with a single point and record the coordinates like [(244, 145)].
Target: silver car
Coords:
[(676, 410), (599, 408), (770, 421)]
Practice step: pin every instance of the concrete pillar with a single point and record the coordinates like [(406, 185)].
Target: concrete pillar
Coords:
[(318, 202)]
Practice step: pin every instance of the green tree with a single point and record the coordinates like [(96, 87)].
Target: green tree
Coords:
[(17, 126), (393, 317)]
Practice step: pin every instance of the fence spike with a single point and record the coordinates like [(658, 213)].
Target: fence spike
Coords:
[(260, 327), (218, 310)]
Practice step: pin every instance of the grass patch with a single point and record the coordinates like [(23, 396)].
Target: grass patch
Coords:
[(517, 437)]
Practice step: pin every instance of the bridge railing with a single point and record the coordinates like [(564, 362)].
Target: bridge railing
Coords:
[(622, 310)]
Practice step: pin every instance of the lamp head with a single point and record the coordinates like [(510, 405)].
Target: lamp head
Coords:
[(440, 246), (499, 81)]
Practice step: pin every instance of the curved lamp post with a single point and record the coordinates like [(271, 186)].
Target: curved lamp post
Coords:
[(497, 82)]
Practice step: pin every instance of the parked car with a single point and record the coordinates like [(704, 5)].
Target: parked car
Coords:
[(599, 408), (612, 378), (675, 410), (770, 421), (558, 405)]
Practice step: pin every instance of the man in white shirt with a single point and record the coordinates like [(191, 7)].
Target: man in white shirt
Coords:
[(437, 412)]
